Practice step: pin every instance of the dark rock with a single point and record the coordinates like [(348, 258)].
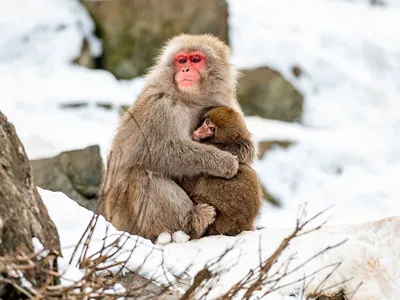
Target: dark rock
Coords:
[(297, 72), (338, 296), (132, 31), (265, 146), (85, 58), (74, 105), (265, 93), (269, 198), (123, 109), (76, 173), (377, 3), (22, 212), (107, 106)]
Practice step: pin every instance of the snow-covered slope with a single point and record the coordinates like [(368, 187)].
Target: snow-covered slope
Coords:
[(370, 254)]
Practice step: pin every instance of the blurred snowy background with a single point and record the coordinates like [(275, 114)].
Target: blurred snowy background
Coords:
[(320, 87), (332, 135)]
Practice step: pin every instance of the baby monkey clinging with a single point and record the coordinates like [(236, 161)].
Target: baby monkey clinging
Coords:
[(237, 200)]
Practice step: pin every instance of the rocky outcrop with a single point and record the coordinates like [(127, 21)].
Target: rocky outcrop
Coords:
[(76, 173), (264, 92), (265, 146), (132, 31), (23, 216)]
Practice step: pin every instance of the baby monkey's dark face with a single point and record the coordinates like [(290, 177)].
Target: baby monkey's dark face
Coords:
[(206, 130)]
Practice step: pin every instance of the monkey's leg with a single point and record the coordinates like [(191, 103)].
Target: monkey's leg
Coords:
[(149, 207), (167, 207), (212, 230)]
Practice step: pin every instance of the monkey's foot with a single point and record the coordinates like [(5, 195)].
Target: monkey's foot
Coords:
[(164, 238), (180, 237), (206, 213), (203, 216)]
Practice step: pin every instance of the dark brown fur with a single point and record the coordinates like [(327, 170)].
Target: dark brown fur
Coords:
[(154, 138), (237, 200)]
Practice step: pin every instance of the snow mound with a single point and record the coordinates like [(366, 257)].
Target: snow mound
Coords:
[(370, 255)]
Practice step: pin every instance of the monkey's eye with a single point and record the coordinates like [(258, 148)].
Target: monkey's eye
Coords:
[(207, 121), (182, 60), (196, 59), (212, 129)]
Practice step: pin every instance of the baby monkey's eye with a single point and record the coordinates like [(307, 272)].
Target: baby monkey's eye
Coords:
[(207, 121), (182, 60), (212, 129)]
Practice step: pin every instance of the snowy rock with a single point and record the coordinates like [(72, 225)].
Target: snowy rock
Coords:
[(265, 146), (132, 31), (76, 173), (266, 93)]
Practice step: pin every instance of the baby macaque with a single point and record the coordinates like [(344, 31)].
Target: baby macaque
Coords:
[(238, 200)]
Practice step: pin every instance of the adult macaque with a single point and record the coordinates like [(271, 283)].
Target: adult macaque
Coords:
[(237, 200), (154, 140)]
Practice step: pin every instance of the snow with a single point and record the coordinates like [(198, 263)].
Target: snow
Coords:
[(346, 149), (72, 220), (37, 245), (372, 247)]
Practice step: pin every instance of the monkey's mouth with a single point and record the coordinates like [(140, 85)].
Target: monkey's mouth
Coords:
[(187, 82)]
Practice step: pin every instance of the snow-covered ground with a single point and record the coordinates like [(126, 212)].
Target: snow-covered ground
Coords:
[(369, 255), (347, 150)]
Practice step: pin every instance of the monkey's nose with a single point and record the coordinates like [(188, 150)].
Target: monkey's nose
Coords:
[(185, 70)]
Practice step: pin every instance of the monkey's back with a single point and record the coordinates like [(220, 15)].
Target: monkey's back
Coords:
[(237, 200)]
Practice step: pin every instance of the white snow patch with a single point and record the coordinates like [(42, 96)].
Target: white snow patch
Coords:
[(37, 245), (39, 248)]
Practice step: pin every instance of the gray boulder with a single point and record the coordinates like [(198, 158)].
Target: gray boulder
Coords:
[(76, 173), (132, 31), (265, 93)]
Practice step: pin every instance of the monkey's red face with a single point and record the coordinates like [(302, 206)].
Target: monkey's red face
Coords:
[(206, 130), (188, 66)]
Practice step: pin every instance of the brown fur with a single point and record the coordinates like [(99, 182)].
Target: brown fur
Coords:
[(237, 200), (154, 138)]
